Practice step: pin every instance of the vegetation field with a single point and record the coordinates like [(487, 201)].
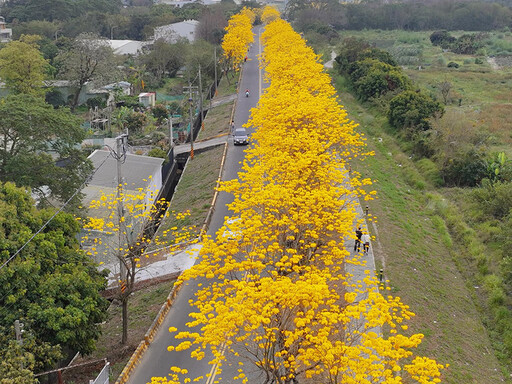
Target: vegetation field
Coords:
[(414, 249), (443, 243), (481, 91)]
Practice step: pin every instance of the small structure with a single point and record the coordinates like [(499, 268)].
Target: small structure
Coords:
[(127, 47), (5, 33), (173, 32), (147, 99)]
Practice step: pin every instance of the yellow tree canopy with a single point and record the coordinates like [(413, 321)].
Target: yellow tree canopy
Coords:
[(269, 14), (278, 287), (238, 37)]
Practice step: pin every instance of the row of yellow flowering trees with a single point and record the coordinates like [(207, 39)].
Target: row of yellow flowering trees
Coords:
[(278, 296), (237, 39)]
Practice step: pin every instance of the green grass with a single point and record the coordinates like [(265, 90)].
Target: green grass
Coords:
[(418, 256), (216, 121), (195, 191)]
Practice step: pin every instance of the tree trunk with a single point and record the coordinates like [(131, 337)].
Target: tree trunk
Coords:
[(124, 302), (76, 97)]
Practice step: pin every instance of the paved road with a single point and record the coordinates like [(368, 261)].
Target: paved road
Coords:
[(157, 360)]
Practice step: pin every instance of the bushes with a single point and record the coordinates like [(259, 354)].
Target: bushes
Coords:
[(465, 169), (412, 109), (442, 39), (494, 200), (466, 44)]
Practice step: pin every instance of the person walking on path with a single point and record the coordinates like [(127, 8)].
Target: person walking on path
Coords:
[(365, 239), (357, 244)]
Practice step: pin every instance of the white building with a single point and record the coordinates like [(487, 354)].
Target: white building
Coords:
[(173, 32), (127, 47), (5, 33), (147, 99)]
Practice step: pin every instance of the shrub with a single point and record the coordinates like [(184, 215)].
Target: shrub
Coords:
[(157, 152), (412, 109), (452, 64), (135, 122), (442, 39), (468, 44), (494, 200), (466, 169), (159, 112), (479, 61)]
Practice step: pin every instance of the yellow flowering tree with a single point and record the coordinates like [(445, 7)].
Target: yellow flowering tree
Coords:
[(279, 292), (269, 14), (237, 39), (121, 226)]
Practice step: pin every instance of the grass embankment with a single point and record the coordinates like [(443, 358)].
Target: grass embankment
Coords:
[(414, 248), (143, 308)]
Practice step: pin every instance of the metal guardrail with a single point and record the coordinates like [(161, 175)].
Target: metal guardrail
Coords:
[(103, 377)]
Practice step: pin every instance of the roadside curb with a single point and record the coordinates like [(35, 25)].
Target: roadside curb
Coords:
[(148, 337), (212, 137)]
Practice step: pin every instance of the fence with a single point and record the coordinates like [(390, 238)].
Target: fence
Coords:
[(103, 377)]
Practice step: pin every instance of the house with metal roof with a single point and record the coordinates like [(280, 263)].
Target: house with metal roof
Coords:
[(173, 32), (139, 173)]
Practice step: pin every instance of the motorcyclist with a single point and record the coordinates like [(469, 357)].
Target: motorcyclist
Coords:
[(246, 93)]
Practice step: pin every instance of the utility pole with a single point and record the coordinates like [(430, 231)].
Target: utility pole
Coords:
[(120, 153), (120, 156), (18, 330), (190, 100), (200, 99), (215, 67), (171, 135)]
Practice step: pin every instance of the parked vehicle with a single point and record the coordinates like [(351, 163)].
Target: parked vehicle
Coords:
[(240, 137)]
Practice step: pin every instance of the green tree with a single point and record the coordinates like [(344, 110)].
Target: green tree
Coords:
[(201, 54), (16, 365), (50, 285), (27, 10), (88, 59), (38, 146), (22, 66), (373, 78), (36, 27), (164, 59), (413, 110)]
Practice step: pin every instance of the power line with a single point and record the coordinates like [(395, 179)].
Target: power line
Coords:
[(56, 213)]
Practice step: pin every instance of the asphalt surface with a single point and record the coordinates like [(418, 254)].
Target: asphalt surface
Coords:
[(157, 360)]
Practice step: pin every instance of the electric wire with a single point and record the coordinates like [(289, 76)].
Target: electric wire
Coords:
[(55, 214), (2, 299)]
